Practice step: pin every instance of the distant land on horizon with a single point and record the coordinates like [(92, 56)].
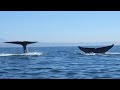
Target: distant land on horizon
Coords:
[(48, 44)]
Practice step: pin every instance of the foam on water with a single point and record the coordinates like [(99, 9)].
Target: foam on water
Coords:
[(88, 53), (113, 53), (23, 54)]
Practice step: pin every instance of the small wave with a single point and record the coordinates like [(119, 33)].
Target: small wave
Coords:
[(23, 54), (112, 53), (6, 54)]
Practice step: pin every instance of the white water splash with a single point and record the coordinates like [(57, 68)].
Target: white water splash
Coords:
[(88, 53), (107, 53), (23, 54), (112, 53)]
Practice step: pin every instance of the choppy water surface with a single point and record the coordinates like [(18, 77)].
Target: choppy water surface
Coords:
[(58, 63)]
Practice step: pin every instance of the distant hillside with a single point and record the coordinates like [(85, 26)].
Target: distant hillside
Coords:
[(45, 44), (2, 39)]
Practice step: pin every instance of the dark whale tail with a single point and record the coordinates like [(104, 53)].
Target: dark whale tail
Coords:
[(96, 50), (23, 43)]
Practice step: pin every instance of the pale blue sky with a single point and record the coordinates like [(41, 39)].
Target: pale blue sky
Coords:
[(60, 26)]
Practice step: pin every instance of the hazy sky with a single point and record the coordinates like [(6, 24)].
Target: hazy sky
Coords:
[(60, 26)]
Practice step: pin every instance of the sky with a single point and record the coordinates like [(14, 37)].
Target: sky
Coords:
[(60, 26)]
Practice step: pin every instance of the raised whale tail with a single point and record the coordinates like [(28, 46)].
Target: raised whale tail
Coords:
[(23, 43), (96, 50)]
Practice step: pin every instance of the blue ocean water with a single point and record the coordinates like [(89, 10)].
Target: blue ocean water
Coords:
[(58, 63)]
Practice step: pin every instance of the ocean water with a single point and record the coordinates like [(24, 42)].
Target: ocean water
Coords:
[(58, 63)]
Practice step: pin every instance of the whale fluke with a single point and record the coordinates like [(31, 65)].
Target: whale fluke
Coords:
[(23, 43), (96, 50)]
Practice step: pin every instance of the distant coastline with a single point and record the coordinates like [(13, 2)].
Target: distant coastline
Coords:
[(48, 44)]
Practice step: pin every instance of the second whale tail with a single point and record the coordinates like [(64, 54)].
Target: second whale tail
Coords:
[(96, 50)]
